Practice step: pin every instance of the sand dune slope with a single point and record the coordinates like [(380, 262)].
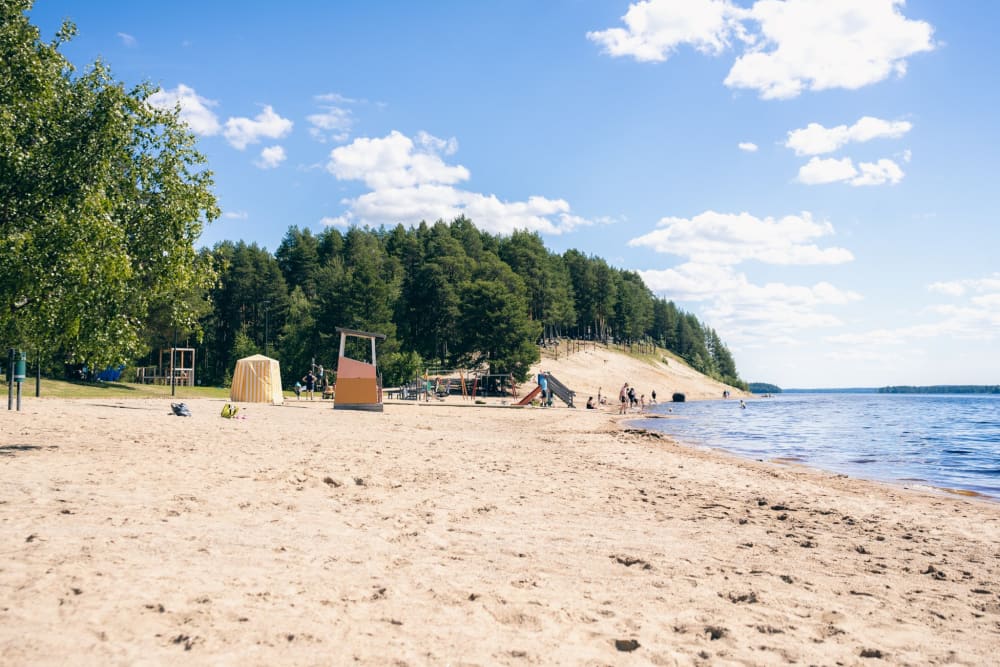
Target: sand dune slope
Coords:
[(597, 368)]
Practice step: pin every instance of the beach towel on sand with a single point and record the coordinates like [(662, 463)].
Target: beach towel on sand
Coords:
[(180, 409)]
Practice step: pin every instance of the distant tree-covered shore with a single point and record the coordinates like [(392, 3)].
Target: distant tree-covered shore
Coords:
[(942, 389)]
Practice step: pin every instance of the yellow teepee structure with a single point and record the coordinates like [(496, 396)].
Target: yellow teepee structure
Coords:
[(257, 379)]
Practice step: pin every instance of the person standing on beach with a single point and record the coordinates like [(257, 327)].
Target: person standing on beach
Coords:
[(623, 399), (543, 383), (310, 382), (653, 396)]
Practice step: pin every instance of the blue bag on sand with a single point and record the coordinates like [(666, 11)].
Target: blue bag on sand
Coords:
[(180, 409)]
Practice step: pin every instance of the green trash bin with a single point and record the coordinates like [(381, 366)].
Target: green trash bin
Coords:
[(20, 365)]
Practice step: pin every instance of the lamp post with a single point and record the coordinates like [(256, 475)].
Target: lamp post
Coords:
[(266, 318)]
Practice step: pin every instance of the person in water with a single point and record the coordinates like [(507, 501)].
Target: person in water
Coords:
[(742, 404)]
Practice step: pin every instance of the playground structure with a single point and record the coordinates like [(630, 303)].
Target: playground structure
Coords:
[(556, 388), (179, 365), (471, 384), (358, 384)]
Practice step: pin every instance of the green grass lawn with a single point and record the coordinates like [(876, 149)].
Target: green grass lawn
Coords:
[(65, 389)]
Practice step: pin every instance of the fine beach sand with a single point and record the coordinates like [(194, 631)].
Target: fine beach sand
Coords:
[(445, 533)]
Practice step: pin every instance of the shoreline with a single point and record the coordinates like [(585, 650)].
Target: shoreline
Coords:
[(550, 536), (798, 462), (799, 447)]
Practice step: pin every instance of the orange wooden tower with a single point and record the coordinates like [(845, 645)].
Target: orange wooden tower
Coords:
[(358, 385)]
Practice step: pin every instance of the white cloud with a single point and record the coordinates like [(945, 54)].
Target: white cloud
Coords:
[(430, 142), (241, 132), (976, 318), (819, 45), (747, 311), (128, 40), (959, 288), (747, 146), (195, 110), (878, 173), (235, 215), (814, 139), (819, 171), (826, 170), (339, 221), (655, 28), (335, 98), (726, 239), (392, 162), (788, 45), (714, 243), (410, 182), (271, 157), (332, 123)]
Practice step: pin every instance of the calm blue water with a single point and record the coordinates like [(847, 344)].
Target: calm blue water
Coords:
[(943, 441)]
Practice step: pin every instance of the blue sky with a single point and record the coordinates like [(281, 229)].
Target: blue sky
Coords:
[(816, 179)]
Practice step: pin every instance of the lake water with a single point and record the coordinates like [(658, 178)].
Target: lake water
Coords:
[(946, 441)]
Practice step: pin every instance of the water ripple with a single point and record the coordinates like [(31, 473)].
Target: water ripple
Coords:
[(947, 441)]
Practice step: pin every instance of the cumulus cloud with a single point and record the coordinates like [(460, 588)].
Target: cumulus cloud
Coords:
[(331, 124), (959, 288), (271, 157), (713, 244), (334, 121), (727, 239), (788, 46), (827, 170), (335, 98), (747, 146), (819, 45), (973, 315), (393, 161), (878, 173), (746, 310), (127, 39), (409, 181), (655, 28), (819, 171), (235, 215), (195, 110), (241, 132), (814, 139)]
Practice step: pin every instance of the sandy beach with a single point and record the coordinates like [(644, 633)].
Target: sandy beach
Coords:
[(444, 533)]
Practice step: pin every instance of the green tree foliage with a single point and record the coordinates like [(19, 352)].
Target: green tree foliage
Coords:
[(444, 294), (296, 341), (102, 198), (250, 296), (398, 368), (495, 329), (298, 258), (545, 276)]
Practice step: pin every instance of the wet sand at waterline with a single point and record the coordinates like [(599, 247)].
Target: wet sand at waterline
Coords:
[(444, 533)]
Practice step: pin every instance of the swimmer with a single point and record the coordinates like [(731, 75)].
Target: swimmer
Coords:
[(742, 404)]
